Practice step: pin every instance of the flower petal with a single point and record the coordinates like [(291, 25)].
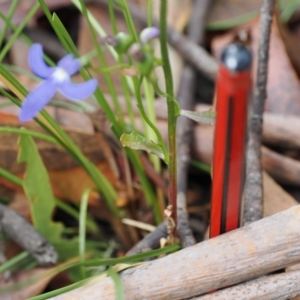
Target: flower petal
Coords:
[(37, 99), (36, 62), (78, 91), (149, 33), (69, 64)]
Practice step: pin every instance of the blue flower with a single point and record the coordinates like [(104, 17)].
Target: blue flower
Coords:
[(55, 79), (148, 34)]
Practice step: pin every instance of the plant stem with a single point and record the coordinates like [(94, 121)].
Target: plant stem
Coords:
[(172, 115)]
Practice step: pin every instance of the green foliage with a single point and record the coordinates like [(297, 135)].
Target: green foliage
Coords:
[(38, 190), (205, 117), (136, 141), (287, 8)]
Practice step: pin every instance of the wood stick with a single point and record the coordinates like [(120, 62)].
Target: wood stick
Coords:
[(253, 204), (281, 130), (262, 247), (185, 126), (26, 236), (282, 168), (280, 286)]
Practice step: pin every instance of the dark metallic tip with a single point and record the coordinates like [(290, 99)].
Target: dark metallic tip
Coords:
[(236, 57)]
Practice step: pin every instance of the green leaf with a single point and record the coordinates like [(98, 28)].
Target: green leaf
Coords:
[(38, 190), (136, 141), (205, 117)]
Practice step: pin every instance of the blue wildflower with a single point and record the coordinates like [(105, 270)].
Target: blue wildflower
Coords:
[(148, 34), (55, 79)]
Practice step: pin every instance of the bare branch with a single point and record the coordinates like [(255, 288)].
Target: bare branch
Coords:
[(253, 206)]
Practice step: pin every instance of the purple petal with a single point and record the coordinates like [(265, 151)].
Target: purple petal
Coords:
[(69, 64), (37, 99), (36, 62), (149, 33), (78, 91)]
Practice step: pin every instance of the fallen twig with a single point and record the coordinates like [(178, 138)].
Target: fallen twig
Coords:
[(274, 287), (185, 126), (28, 238), (284, 169), (259, 248), (253, 204), (281, 130), (151, 241)]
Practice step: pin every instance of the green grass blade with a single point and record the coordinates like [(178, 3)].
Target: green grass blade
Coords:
[(14, 36), (11, 11)]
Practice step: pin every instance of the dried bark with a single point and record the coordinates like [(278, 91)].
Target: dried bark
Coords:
[(259, 248), (253, 204)]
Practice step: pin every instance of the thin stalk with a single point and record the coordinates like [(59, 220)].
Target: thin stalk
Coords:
[(103, 64), (11, 11), (124, 82), (112, 17), (145, 117), (149, 95), (32, 133), (11, 177), (82, 229), (12, 39), (172, 114), (149, 13), (128, 19)]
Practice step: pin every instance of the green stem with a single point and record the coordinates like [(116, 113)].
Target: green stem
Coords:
[(149, 95), (145, 117), (128, 19), (82, 229), (149, 13), (20, 28), (124, 82), (11, 11), (11, 177), (172, 109)]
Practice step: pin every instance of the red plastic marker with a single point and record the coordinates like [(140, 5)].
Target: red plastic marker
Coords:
[(233, 86)]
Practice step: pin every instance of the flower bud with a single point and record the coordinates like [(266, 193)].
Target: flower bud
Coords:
[(146, 64), (135, 52), (124, 41), (149, 33)]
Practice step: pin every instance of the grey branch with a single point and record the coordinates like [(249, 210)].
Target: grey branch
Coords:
[(253, 206)]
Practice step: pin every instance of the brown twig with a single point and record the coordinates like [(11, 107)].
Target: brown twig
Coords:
[(151, 240), (24, 234), (283, 169), (259, 248), (253, 206), (185, 99)]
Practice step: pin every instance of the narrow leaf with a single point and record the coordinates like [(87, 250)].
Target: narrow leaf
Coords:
[(136, 141), (38, 190), (205, 117)]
